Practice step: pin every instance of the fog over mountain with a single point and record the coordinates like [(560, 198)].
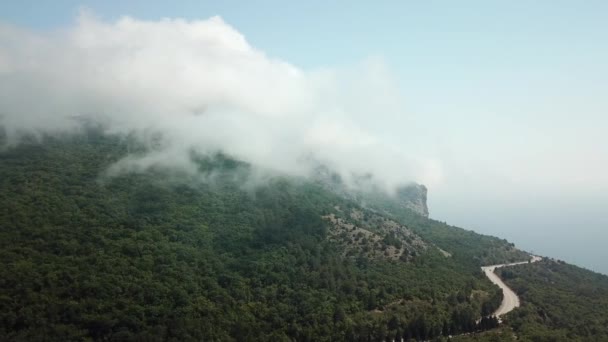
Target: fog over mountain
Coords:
[(505, 126), (203, 88)]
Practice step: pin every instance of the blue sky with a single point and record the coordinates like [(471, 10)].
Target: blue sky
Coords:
[(510, 96)]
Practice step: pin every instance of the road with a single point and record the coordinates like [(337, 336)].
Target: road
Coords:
[(510, 300)]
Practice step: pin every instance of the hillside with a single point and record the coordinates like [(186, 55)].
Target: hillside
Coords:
[(218, 256), (562, 302)]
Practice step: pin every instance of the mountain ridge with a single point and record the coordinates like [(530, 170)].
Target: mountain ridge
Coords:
[(152, 256)]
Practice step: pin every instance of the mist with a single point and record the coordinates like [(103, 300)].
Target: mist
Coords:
[(509, 141), (205, 89)]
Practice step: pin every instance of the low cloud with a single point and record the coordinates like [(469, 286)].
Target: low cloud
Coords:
[(205, 89)]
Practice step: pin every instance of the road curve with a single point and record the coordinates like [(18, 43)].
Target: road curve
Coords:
[(510, 300)]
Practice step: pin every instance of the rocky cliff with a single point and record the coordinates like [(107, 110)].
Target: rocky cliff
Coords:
[(413, 197)]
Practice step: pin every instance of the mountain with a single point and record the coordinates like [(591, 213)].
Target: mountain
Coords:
[(220, 255), (362, 189), (413, 197)]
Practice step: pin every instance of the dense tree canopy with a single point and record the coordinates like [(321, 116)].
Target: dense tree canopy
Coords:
[(561, 302), (213, 256)]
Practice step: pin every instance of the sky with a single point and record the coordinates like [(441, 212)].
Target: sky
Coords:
[(499, 107)]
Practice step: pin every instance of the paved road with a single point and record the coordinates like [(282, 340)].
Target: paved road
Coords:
[(510, 300)]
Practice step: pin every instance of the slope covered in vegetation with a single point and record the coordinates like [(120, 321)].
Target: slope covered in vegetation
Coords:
[(157, 255), (561, 302)]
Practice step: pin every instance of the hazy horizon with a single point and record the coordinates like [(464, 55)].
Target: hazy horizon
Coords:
[(500, 109), (567, 231)]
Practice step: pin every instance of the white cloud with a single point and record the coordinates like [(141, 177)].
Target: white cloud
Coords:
[(205, 88)]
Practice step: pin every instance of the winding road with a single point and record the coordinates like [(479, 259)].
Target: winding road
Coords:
[(510, 300)]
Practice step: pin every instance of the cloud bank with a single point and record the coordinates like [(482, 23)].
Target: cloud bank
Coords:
[(204, 88)]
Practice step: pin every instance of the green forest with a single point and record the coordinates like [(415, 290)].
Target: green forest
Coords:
[(561, 302), (215, 256)]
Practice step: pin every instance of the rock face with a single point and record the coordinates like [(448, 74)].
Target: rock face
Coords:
[(364, 233), (413, 197)]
